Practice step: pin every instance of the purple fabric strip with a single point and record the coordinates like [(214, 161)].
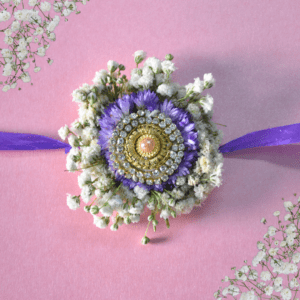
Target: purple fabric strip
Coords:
[(283, 135), (24, 141)]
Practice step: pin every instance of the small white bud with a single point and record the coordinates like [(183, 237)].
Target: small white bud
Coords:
[(114, 227), (36, 69), (73, 202), (288, 205), (63, 132), (209, 81), (94, 209), (263, 220), (87, 208), (73, 141), (139, 56), (145, 240), (112, 65)]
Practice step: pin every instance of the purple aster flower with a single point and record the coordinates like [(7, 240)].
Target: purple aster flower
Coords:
[(120, 118)]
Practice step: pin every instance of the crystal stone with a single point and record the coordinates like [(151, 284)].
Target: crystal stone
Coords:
[(173, 126), (128, 128), (173, 154), (178, 160), (162, 124), (181, 147), (168, 130), (155, 172), (169, 162), (126, 120), (120, 149), (172, 137), (175, 147), (141, 112), (168, 121), (177, 131), (142, 120), (174, 166), (120, 141), (149, 182), (120, 126), (180, 139), (155, 121), (170, 171), (121, 172), (164, 177), (133, 116), (163, 168), (134, 123), (123, 134), (161, 116), (180, 153)]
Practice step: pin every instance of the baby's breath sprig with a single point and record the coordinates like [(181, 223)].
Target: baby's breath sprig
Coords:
[(29, 35), (277, 256)]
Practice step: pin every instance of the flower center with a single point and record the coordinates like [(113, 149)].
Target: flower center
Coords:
[(147, 145)]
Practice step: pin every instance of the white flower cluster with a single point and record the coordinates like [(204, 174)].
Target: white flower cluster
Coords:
[(105, 197), (279, 258), (28, 35)]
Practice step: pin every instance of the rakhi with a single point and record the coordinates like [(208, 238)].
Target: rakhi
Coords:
[(144, 142)]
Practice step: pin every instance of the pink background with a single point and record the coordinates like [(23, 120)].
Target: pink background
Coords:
[(50, 252)]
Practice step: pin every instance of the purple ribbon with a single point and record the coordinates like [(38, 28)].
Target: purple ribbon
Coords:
[(283, 135), (25, 141)]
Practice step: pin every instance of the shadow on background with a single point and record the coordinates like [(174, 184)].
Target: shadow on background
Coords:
[(284, 155)]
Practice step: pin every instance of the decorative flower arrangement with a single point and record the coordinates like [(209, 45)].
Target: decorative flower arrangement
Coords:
[(143, 141), (278, 260), (29, 35)]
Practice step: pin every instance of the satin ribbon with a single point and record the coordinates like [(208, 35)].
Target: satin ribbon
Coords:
[(283, 135), (26, 141)]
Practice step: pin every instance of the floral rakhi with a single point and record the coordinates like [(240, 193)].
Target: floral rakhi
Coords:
[(143, 142)]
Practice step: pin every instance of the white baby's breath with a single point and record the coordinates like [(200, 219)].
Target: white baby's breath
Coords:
[(63, 132), (275, 261), (73, 202), (26, 23)]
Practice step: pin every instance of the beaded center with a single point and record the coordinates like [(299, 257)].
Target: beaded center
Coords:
[(146, 148)]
